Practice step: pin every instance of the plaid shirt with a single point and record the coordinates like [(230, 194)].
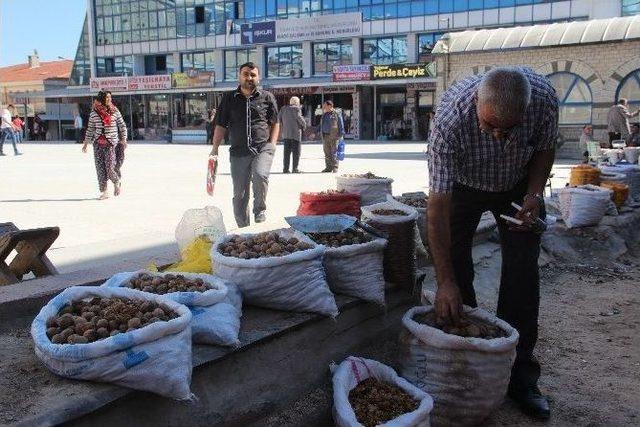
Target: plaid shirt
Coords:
[(459, 152)]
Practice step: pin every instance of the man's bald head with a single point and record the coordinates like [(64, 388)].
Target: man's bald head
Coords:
[(503, 97)]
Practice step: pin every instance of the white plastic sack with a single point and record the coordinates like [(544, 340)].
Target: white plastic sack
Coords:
[(614, 155), (421, 229), (368, 215), (353, 370), (615, 177), (631, 154), (584, 205), (210, 324), (467, 377), (357, 270), (196, 222), (370, 190), (155, 358), (295, 282)]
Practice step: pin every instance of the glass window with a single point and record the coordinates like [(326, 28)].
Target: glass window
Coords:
[(326, 55), (574, 97), (282, 61), (446, 6), (383, 51), (630, 7), (430, 7), (235, 58), (426, 42), (629, 89)]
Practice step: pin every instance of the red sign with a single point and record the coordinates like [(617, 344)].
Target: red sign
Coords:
[(108, 83), (351, 73), (161, 81)]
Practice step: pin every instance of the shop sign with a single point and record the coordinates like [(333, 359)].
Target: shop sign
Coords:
[(108, 83), (193, 79), (399, 71), (158, 82), (421, 86), (302, 29), (351, 73), (339, 89), (293, 91)]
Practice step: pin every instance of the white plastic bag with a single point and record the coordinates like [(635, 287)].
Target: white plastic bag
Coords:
[(196, 222), (467, 377), (631, 154), (353, 370), (357, 270), (370, 190), (210, 324), (295, 282), (155, 358), (584, 205), (614, 155)]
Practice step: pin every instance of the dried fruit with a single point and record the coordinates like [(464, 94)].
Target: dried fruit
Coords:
[(390, 212), (261, 245), (114, 315), (376, 402), (468, 327), (416, 202), (368, 175), (342, 238), (166, 284)]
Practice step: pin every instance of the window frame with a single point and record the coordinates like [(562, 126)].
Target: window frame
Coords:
[(563, 103)]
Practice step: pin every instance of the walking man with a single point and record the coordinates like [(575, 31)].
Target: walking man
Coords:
[(618, 120), (493, 143), (291, 124), (332, 128), (7, 129), (77, 126), (250, 116)]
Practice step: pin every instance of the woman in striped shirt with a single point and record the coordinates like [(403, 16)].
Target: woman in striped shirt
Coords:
[(107, 132)]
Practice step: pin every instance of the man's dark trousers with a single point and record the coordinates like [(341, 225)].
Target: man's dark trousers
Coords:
[(247, 170), (291, 146), (519, 297)]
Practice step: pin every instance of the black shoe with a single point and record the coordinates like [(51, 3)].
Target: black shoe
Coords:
[(296, 171), (18, 154), (335, 171), (326, 170), (285, 171), (261, 217), (532, 403)]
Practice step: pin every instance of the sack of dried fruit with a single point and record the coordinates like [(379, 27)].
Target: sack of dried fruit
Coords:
[(371, 188), (354, 263), (329, 202), (368, 393), (399, 223), (465, 369), (117, 335), (281, 269), (585, 205), (216, 314)]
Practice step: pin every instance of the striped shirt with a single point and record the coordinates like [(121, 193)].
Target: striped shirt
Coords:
[(115, 132), (459, 152)]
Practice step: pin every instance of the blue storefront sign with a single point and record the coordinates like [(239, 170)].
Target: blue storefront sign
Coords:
[(258, 32)]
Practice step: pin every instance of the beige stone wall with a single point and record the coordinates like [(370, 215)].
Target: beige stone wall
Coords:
[(602, 65)]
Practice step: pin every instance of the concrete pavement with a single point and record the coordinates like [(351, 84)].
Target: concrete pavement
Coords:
[(55, 184)]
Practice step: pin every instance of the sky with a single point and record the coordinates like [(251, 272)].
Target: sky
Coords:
[(52, 27)]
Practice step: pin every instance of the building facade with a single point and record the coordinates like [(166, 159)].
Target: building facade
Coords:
[(371, 57), (591, 64)]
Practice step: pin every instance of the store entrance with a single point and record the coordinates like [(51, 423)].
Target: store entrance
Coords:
[(425, 113), (393, 122)]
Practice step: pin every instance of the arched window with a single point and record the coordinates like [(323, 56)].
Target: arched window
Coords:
[(630, 89), (574, 98)]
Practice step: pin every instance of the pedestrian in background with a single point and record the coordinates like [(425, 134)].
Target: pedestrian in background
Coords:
[(249, 116), (618, 120), (7, 129), (633, 140), (77, 126), (106, 129), (585, 139), (291, 126), (18, 127), (332, 129)]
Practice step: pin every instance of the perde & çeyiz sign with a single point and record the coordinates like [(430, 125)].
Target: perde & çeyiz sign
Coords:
[(399, 71)]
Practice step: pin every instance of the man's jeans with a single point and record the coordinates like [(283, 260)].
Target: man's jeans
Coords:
[(248, 170), (8, 133), (519, 296)]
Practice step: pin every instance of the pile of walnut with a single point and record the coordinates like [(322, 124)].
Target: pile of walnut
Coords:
[(375, 402), (368, 175), (342, 238), (87, 321), (166, 284), (468, 327), (261, 245), (416, 202), (389, 212), (330, 192)]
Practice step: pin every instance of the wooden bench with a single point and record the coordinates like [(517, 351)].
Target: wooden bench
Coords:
[(30, 246)]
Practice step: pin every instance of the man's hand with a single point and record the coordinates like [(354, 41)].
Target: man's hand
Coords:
[(124, 144), (214, 151), (528, 214), (84, 148), (448, 303)]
